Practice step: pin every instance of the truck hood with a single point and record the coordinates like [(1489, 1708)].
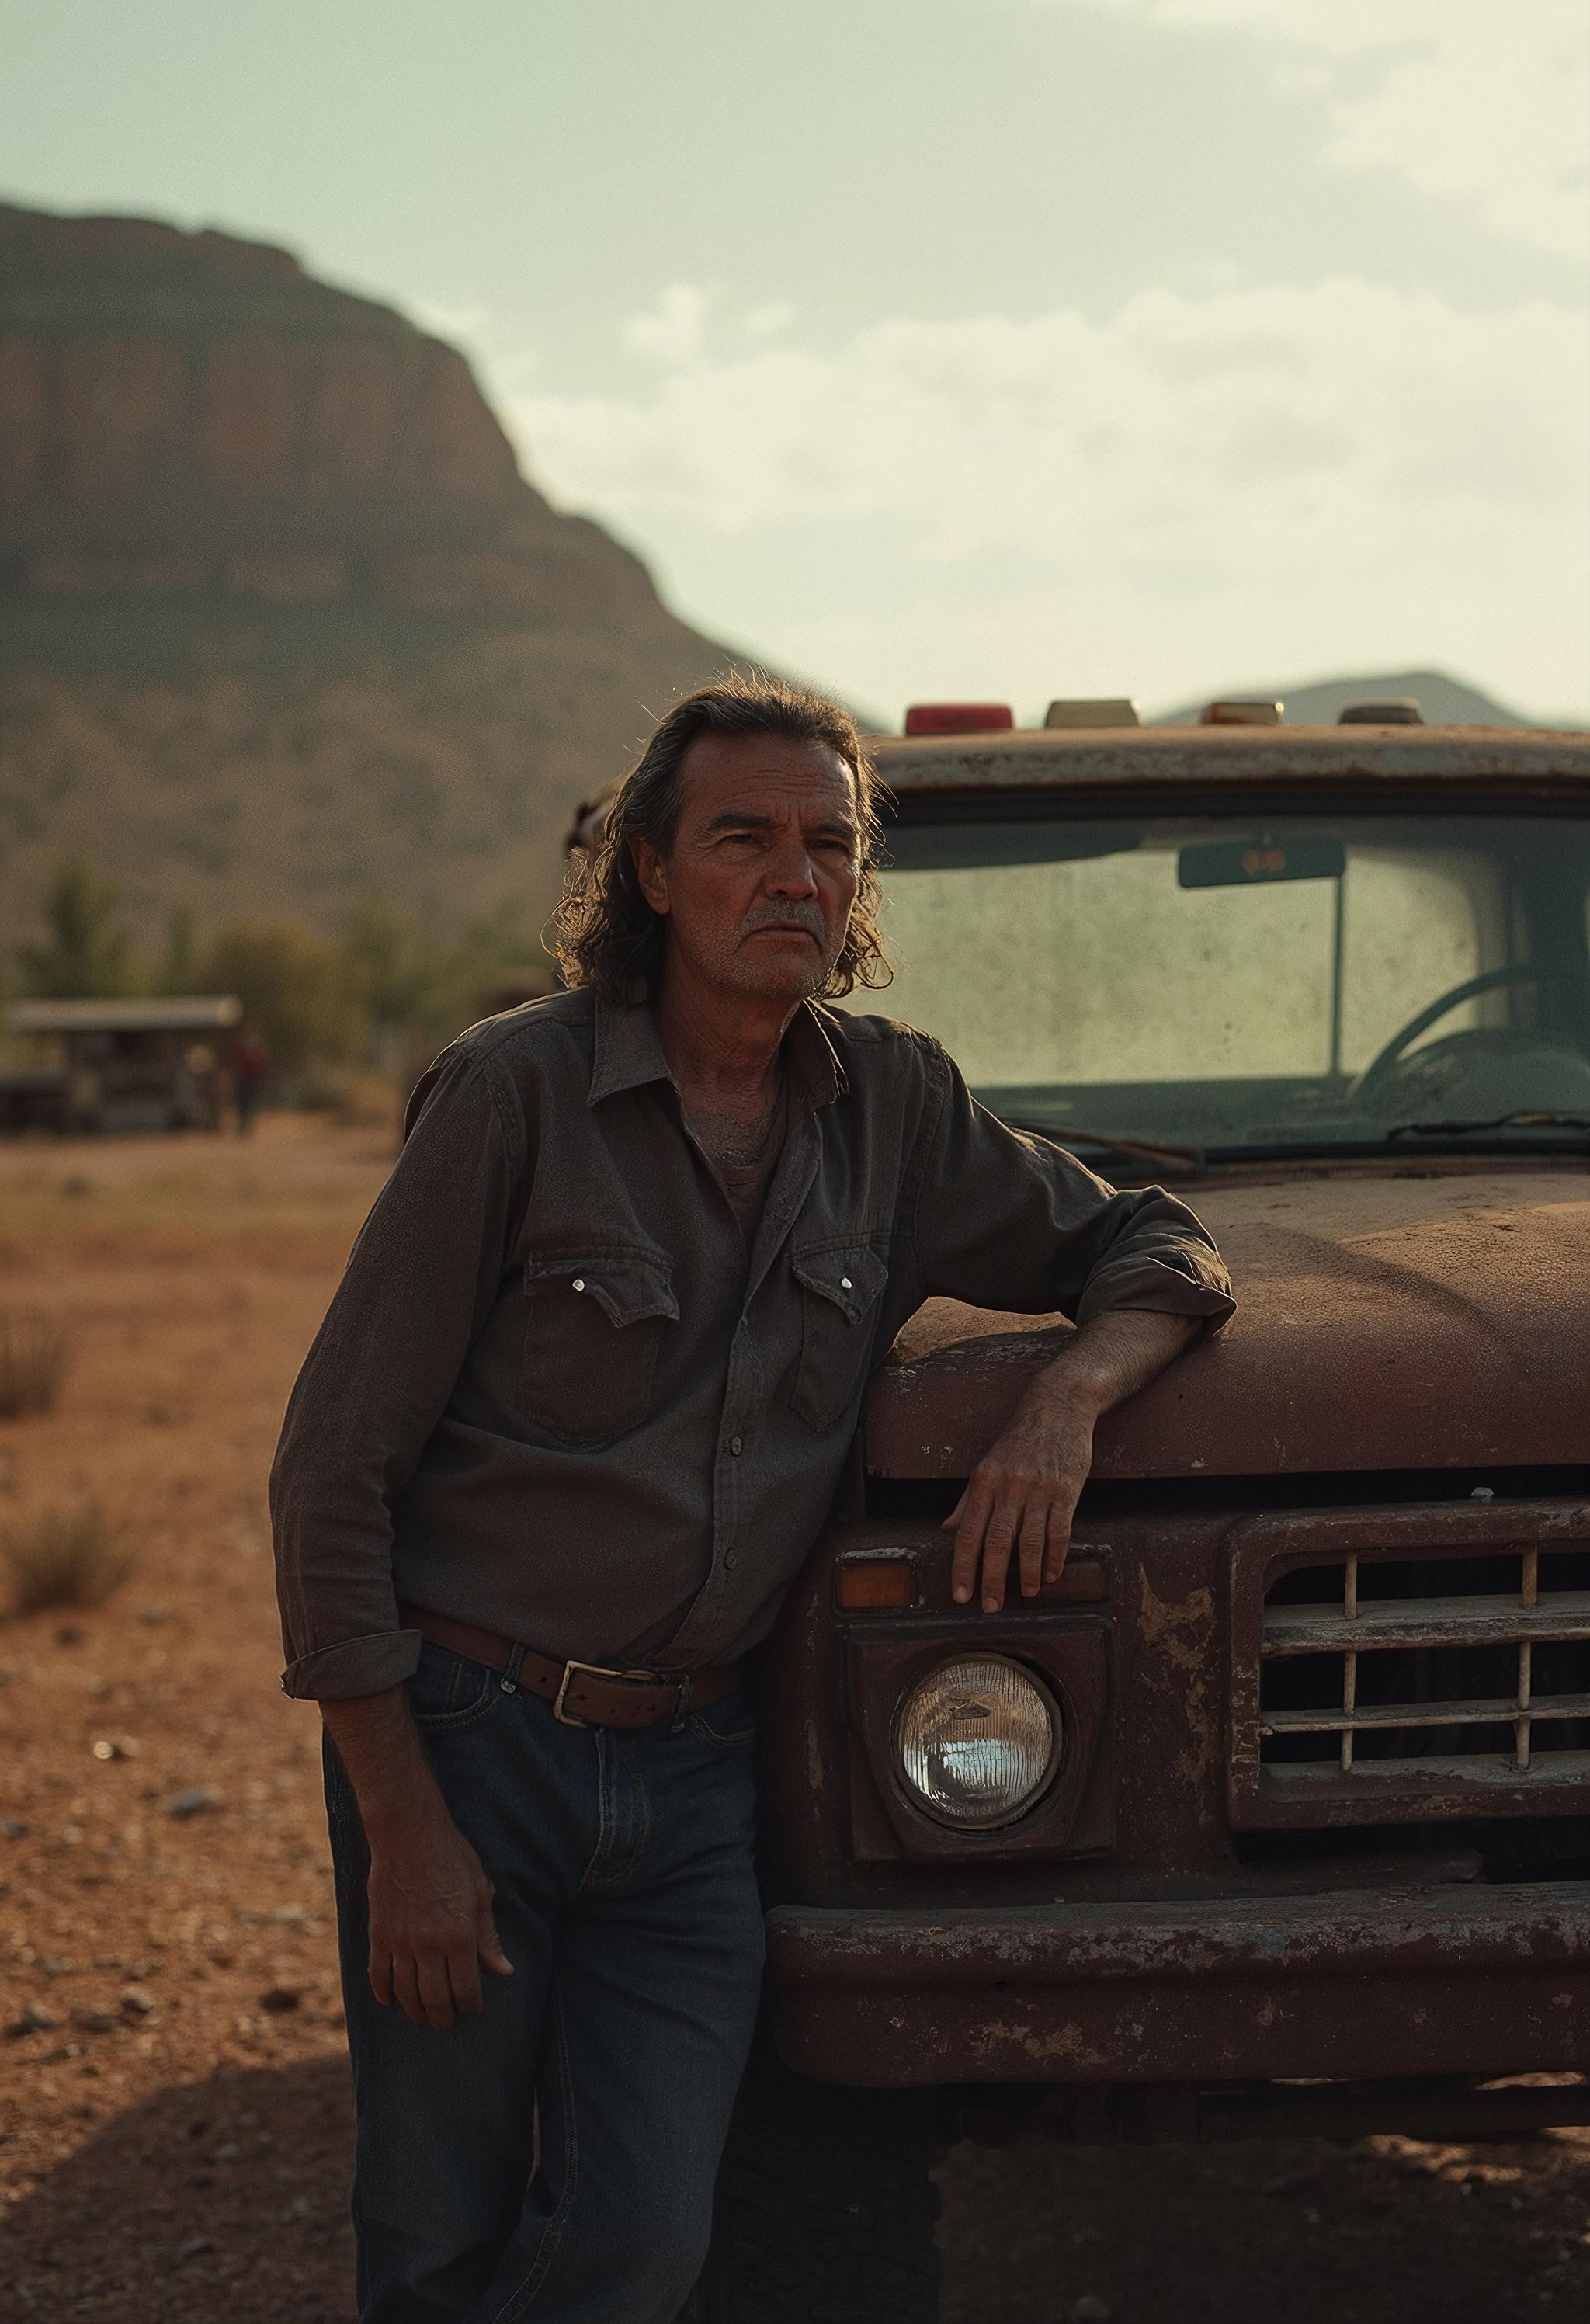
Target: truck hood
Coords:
[(1415, 1319)]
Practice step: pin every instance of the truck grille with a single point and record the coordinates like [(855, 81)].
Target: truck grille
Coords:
[(1473, 1667)]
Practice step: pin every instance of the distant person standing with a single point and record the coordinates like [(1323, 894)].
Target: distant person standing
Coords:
[(251, 1062)]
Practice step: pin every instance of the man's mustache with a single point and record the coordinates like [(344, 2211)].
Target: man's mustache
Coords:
[(784, 915)]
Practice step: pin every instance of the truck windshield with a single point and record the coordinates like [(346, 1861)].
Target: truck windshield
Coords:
[(1283, 982)]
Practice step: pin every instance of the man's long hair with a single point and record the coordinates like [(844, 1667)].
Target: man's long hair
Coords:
[(604, 932)]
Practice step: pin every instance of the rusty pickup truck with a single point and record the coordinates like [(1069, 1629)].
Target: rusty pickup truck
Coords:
[(1271, 1817)]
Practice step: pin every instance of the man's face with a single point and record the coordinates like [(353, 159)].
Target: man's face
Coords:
[(758, 886)]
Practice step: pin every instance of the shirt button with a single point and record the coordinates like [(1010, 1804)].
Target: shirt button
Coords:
[(579, 1283), (731, 1559), (737, 1445), (845, 1283)]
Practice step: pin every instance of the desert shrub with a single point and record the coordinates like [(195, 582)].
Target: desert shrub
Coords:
[(64, 1557), (418, 989), (34, 1354), (296, 989), (86, 953), (179, 965)]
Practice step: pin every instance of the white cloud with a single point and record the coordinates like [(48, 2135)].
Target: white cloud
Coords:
[(672, 330), (1487, 102), (1189, 492)]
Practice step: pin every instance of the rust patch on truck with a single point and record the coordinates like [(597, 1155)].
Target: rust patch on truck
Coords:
[(1179, 1629), (1064, 2044), (1163, 1622)]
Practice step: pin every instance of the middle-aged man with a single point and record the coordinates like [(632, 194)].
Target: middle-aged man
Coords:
[(576, 1415)]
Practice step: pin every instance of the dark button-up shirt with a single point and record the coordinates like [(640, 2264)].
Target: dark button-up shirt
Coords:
[(556, 1397)]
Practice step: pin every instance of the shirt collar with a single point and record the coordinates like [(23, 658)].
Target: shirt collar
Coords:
[(628, 1055)]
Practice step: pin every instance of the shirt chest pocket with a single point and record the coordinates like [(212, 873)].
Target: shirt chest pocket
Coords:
[(593, 1331), (840, 1293)]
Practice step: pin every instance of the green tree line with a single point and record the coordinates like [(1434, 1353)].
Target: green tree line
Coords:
[(381, 991)]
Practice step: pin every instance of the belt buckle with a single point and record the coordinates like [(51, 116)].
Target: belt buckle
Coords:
[(594, 1670)]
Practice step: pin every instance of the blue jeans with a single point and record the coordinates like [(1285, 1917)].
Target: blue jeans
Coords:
[(553, 2160)]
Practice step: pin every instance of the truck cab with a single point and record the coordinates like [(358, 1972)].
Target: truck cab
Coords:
[(1271, 1815)]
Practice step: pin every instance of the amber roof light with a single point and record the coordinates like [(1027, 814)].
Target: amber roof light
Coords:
[(1241, 713), (959, 718)]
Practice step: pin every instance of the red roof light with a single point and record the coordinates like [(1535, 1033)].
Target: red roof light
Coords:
[(957, 718)]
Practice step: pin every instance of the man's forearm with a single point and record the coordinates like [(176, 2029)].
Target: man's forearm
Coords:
[(1111, 1357), (378, 1744)]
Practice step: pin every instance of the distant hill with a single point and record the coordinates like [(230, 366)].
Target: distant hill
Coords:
[(280, 621), (1445, 701)]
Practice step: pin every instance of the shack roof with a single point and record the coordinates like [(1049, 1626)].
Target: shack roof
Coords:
[(208, 1012)]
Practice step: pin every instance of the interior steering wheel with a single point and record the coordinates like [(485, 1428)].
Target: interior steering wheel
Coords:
[(1380, 1066)]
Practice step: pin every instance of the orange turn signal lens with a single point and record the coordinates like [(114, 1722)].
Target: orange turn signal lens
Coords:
[(866, 1581)]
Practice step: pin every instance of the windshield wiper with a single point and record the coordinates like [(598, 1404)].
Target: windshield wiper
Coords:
[(1523, 1118), (1133, 1149)]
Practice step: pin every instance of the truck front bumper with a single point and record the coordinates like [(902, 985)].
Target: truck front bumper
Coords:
[(1449, 1980)]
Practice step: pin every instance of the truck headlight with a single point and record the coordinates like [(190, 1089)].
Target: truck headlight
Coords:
[(977, 1741)]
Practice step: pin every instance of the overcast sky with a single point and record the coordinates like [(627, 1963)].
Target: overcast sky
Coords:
[(1009, 347)]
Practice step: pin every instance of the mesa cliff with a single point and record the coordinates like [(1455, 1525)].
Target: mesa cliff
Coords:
[(282, 621)]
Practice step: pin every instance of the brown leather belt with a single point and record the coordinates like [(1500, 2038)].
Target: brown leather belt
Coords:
[(581, 1694)]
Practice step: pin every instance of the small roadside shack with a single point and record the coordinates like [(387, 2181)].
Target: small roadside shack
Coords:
[(119, 1065)]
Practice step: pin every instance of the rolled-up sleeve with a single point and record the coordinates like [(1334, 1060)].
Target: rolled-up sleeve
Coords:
[(1010, 1222), (418, 1285)]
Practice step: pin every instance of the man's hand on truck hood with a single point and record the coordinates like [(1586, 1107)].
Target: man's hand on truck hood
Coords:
[(1022, 1496)]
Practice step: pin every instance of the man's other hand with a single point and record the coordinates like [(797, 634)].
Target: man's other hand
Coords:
[(431, 1926), (1021, 1498)]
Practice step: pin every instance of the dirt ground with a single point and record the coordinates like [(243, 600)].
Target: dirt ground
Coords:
[(173, 2117)]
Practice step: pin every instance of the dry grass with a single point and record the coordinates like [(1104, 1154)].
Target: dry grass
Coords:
[(34, 1354), (65, 1557)]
